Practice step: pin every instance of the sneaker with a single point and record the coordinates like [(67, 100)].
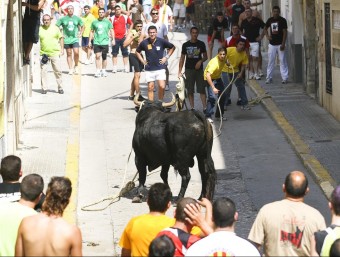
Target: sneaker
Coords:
[(261, 73), (87, 62), (131, 97), (245, 107), (43, 91), (114, 70), (166, 87), (210, 120), (257, 77), (219, 118), (238, 102), (70, 72), (284, 81), (268, 81), (127, 69), (251, 76), (104, 73), (92, 58), (98, 74), (76, 70), (60, 91)]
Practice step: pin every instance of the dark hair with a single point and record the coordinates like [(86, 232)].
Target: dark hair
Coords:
[(219, 14), (276, 8), (235, 25), (137, 22), (335, 249), (31, 187), (87, 6), (162, 246), (335, 200), (57, 196), (154, 9), (10, 168), (159, 197), (295, 189), (221, 49), (118, 6), (194, 28), (224, 210), (152, 27), (240, 40), (180, 215), (101, 9)]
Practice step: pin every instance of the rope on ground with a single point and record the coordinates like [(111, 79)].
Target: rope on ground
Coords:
[(123, 191), (258, 99)]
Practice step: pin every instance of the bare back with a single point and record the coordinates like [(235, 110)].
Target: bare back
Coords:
[(42, 235)]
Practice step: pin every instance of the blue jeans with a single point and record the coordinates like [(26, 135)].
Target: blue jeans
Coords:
[(218, 83), (239, 83)]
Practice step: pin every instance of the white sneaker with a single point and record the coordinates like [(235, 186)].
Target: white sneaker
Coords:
[(261, 73), (257, 77), (114, 70), (127, 69), (87, 62), (251, 75), (76, 70), (284, 81), (70, 72), (92, 58), (104, 73), (97, 74), (269, 80)]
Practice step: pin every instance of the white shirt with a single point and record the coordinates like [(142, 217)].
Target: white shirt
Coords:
[(222, 243), (162, 30)]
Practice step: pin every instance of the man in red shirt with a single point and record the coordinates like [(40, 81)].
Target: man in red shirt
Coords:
[(119, 22)]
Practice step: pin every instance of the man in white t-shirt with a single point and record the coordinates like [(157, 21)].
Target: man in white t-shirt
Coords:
[(223, 241), (165, 14)]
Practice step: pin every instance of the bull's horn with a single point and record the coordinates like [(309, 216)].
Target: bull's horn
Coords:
[(135, 100), (169, 104)]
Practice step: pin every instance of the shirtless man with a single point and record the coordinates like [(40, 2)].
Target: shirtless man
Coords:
[(133, 39), (48, 234)]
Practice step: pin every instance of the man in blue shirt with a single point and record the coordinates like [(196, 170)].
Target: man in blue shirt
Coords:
[(155, 66)]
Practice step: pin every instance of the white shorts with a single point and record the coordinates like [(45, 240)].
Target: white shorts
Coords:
[(154, 75), (254, 49), (179, 10)]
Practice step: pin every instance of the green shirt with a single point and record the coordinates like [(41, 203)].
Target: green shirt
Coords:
[(70, 28), (101, 30), (49, 40), (11, 215), (87, 24)]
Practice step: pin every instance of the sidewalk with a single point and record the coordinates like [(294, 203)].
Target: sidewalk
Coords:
[(312, 131)]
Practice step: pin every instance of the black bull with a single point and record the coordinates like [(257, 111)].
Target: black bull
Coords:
[(174, 138)]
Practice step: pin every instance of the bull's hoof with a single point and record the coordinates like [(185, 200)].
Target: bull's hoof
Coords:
[(137, 199)]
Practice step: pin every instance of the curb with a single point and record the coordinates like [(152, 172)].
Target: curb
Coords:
[(312, 164)]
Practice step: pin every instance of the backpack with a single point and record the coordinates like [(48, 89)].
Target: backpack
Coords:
[(332, 235)]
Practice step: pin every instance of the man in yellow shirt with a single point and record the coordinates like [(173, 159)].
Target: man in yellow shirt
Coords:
[(141, 230), (237, 57), (212, 75), (88, 18)]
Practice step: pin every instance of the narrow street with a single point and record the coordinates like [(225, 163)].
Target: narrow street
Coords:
[(86, 134)]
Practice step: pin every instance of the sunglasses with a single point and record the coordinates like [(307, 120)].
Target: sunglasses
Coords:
[(154, 13)]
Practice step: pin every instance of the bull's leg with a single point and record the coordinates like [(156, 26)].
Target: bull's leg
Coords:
[(185, 174), (164, 173), (141, 167), (201, 168)]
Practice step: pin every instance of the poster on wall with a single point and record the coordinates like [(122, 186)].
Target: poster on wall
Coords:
[(336, 19)]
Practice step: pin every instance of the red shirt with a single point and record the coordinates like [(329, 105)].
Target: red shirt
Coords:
[(119, 25), (231, 41), (228, 3)]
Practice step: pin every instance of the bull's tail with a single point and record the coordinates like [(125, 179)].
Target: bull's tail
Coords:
[(210, 172)]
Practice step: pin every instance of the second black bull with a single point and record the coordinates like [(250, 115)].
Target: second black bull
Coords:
[(164, 138)]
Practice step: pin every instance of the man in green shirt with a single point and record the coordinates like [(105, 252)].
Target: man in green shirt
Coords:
[(51, 46), (88, 18), (73, 29), (101, 32)]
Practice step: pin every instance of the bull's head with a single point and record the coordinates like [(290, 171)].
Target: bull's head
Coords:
[(164, 104)]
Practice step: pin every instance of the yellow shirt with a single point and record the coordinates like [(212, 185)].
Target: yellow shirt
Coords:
[(141, 230), (235, 59), (214, 67), (87, 24), (94, 10)]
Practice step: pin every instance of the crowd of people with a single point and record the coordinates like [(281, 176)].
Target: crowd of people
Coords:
[(286, 227)]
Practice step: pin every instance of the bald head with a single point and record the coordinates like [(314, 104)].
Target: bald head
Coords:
[(296, 184)]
